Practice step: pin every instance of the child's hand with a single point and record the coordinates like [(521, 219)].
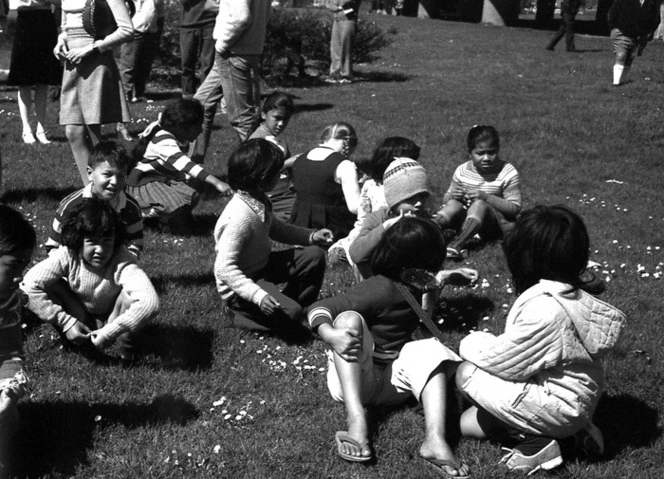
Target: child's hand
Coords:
[(387, 224), (78, 333), (61, 49), (100, 341), (322, 237), (7, 399), (346, 343), (457, 193), (476, 195), (458, 276), (269, 305), (224, 188)]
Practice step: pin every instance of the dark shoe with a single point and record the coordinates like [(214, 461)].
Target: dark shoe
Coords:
[(455, 253)]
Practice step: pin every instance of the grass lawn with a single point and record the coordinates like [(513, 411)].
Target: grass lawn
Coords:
[(207, 400)]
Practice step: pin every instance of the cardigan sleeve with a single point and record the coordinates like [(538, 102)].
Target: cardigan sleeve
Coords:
[(368, 238), (532, 344), (123, 33), (143, 301), (53, 268), (289, 234)]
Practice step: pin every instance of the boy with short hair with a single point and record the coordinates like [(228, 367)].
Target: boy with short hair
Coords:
[(17, 240), (633, 24), (108, 166)]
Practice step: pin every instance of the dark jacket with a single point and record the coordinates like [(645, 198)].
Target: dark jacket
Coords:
[(633, 19)]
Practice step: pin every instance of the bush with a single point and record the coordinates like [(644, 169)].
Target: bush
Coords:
[(294, 37)]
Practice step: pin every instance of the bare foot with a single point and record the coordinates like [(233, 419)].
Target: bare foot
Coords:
[(436, 449)]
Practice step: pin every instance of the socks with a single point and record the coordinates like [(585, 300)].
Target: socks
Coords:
[(469, 229), (617, 74)]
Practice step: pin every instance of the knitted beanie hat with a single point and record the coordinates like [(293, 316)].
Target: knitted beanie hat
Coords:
[(403, 179)]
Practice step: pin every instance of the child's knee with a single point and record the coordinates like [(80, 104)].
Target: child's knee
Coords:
[(349, 320), (314, 258), (463, 374), (621, 57)]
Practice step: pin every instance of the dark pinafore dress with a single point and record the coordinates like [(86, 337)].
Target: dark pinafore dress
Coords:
[(320, 201)]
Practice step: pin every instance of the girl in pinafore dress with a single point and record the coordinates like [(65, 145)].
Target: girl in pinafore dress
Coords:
[(326, 183), (92, 92)]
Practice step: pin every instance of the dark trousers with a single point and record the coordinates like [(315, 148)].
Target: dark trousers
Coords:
[(302, 270), (567, 29), (196, 45), (136, 59)]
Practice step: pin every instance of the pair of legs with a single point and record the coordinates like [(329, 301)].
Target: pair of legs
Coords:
[(302, 270), (60, 293), (81, 139), (566, 29), (427, 365), (235, 79), (480, 218), (624, 48), (196, 45), (25, 102), (341, 44), (136, 59)]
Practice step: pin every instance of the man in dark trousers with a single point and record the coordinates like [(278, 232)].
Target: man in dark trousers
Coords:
[(568, 11)]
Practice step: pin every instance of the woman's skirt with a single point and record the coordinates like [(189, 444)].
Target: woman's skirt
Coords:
[(32, 59), (92, 92)]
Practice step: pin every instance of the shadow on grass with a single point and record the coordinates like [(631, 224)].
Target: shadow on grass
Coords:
[(382, 77), (32, 195), (56, 437), (302, 108), (204, 225), (176, 348), (627, 422), (464, 312)]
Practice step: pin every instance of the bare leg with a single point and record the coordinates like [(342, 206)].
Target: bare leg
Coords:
[(40, 106), (9, 423), (356, 393), (24, 105), (475, 422), (434, 402), (450, 213), (80, 144)]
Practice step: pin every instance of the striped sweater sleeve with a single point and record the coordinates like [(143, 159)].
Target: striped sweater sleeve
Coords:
[(53, 241), (144, 302), (131, 217), (510, 204), (165, 149)]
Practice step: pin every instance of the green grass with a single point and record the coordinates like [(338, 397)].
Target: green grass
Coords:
[(575, 140)]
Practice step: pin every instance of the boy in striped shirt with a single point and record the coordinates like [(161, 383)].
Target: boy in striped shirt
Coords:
[(485, 194), (108, 166)]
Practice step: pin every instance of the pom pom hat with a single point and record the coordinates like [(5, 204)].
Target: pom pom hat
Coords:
[(403, 179)]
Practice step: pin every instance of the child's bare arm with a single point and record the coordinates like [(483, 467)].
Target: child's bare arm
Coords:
[(344, 341)]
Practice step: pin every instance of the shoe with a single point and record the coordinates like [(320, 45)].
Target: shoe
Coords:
[(590, 441), (28, 138), (438, 464), (546, 459), (345, 80), (342, 436), (123, 133), (331, 80), (455, 253), (41, 137)]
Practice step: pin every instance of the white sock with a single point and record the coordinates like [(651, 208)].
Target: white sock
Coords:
[(617, 74)]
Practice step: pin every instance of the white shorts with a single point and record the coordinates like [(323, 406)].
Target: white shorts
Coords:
[(397, 380)]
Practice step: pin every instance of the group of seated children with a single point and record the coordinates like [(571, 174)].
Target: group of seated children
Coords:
[(538, 382)]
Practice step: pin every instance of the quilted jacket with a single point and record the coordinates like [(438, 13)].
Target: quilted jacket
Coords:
[(555, 337)]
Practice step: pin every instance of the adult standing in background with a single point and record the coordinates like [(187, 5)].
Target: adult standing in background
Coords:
[(33, 67), (344, 20), (196, 42), (239, 36), (568, 11), (136, 57), (92, 93)]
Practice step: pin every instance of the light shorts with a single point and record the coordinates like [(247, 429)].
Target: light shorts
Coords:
[(397, 380), (526, 406), (622, 43)]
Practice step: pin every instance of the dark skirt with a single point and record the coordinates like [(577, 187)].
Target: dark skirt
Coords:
[(32, 59)]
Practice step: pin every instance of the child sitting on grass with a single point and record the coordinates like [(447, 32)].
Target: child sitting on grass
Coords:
[(372, 359), (407, 194), (91, 288), (326, 183), (17, 240), (159, 181), (484, 196), (108, 165), (542, 378), (246, 268), (372, 196), (276, 112)]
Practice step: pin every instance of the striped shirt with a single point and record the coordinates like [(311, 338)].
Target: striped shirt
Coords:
[(502, 185), (164, 160), (125, 205)]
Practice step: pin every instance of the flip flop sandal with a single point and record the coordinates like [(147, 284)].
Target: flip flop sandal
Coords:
[(341, 437), (439, 464)]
